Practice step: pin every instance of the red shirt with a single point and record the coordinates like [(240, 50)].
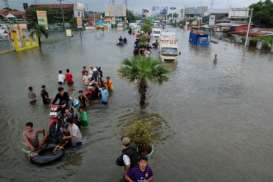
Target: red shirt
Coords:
[(69, 77)]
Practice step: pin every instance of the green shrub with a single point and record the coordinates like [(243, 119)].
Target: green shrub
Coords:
[(252, 43), (140, 132)]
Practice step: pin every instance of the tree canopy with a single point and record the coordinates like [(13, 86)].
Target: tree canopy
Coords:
[(142, 69), (131, 16), (147, 26), (263, 13)]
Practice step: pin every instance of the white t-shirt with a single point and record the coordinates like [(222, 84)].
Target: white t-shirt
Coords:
[(85, 79), (126, 160), (90, 73), (75, 133), (61, 78)]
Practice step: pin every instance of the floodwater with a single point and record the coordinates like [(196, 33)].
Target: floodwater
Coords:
[(216, 119)]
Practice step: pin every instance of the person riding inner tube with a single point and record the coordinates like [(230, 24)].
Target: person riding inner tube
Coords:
[(47, 155)]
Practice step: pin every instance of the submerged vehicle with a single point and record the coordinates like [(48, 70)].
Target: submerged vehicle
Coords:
[(168, 47), (199, 38)]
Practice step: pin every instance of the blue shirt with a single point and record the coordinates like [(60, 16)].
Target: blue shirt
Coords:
[(104, 95), (138, 176)]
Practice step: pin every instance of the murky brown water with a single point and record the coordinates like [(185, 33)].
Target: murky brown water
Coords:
[(217, 120)]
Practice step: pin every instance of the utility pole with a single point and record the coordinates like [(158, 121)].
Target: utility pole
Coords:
[(248, 28), (62, 11), (6, 2), (126, 6), (211, 4)]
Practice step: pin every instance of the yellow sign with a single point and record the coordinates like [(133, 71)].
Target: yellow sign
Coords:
[(42, 18), (68, 32), (79, 22), (21, 39)]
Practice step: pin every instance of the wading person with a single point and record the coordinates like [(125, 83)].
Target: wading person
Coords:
[(83, 100), (140, 173), (45, 95), (31, 96), (129, 156), (61, 77), (215, 59), (85, 79), (75, 134), (31, 137), (109, 84), (83, 117), (69, 77), (104, 95), (84, 71), (62, 98)]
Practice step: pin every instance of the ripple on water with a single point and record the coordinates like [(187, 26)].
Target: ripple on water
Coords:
[(161, 129)]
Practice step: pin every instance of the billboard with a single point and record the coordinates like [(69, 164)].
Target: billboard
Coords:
[(79, 22), (211, 20), (42, 18), (115, 10)]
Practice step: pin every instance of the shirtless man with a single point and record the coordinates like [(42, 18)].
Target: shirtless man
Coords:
[(30, 137)]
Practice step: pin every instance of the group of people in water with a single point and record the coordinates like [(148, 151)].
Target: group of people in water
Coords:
[(72, 114), (65, 127), (135, 164), (122, 41)]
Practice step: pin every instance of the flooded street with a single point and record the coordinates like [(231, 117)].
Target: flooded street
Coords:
[(216, 119)]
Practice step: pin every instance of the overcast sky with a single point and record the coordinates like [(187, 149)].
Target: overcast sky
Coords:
[(139, 4)]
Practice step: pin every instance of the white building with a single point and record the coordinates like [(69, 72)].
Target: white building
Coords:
[(79, 9)]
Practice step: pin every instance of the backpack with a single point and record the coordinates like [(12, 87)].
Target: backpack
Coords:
[(132, 153)]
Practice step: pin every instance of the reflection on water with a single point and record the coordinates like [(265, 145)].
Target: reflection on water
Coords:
[(215, 122)]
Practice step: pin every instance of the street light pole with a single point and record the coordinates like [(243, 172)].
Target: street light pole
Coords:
[(62, 11), (248, 28)]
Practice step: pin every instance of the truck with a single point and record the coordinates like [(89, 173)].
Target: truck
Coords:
[(156, 33), (168, 47)]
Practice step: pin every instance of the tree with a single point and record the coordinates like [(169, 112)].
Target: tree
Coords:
[(147, 26), (262, 13), (142, 69), (130, 16), (39, 31)]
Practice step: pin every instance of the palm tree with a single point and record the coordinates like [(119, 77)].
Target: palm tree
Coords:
[(142, 69), (39, 30)]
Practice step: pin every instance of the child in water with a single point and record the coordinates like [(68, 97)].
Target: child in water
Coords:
[(109, 84), (83, 118), (31, 96)]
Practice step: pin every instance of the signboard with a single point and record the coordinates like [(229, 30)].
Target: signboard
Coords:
[(42, 18), (68, 32), (100, 22), (79, 22), (212, 20), (115, 10)]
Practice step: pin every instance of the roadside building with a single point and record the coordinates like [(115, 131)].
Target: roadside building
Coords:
[(193, 12), (56, 13), (115, 13), (7, 14), (92, 17)]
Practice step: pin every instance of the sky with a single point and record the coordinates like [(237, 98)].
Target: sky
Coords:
[(137, 5)]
